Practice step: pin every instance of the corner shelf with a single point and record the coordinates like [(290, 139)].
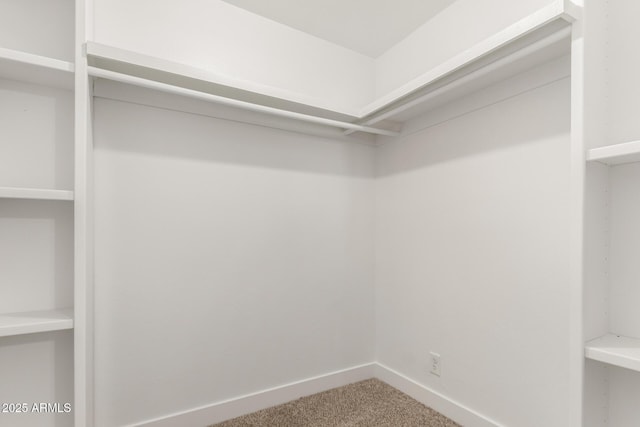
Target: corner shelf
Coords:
[(615, 350), (35, 194), (27, 67), (35, 321), (616, 154), (517, 39), (534, 40)]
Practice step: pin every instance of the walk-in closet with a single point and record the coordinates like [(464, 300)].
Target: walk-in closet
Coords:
[(209, 208)]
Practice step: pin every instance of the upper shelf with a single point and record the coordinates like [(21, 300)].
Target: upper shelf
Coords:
[(538, 38), (35, 321), (35, 193), (27, 67), (185, 76), (166, 76), (616, 154), (615, 350), (517, 37)]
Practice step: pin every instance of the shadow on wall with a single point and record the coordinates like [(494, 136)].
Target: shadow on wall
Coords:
[(505, 125), (151, 131)]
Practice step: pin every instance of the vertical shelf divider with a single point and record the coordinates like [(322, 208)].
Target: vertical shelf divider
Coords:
[(83, 223)]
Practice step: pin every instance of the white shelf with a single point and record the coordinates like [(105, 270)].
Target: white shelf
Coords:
[(616, 154), (535, 27), (615, 350), (27, 67), (35, 194), (184, 76), (35, 321), (536, 39)]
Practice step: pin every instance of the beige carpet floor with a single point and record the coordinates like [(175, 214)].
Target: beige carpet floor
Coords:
[(370, 403)]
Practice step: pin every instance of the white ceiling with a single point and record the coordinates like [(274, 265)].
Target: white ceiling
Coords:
[(370, 27)]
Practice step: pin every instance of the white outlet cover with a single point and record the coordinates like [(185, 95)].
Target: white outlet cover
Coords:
[(435, 365)]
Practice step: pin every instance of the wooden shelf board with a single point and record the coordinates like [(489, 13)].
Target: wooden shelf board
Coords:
[(35, 321), (616, 154), (35, 194), (27, 67), (615, 350)]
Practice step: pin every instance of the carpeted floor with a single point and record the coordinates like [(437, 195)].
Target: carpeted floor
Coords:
[(370, 403)]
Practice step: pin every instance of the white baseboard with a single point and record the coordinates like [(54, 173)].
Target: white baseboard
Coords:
[(225, 410), (221, 411), (431, 398)]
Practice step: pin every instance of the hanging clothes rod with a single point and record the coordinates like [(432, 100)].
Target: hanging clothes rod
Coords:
[(177, 90), (487, 69)]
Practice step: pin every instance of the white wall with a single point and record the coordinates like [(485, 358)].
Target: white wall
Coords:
[(36, 130), (622, 93), (27, 25), (239, 45), (452, 31), (472, 246), (624, 394), (230, 258)]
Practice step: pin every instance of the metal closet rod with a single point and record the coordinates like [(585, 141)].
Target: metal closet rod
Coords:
[(164, 87)]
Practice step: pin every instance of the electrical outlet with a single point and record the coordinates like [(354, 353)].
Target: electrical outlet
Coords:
[(435, 366)]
